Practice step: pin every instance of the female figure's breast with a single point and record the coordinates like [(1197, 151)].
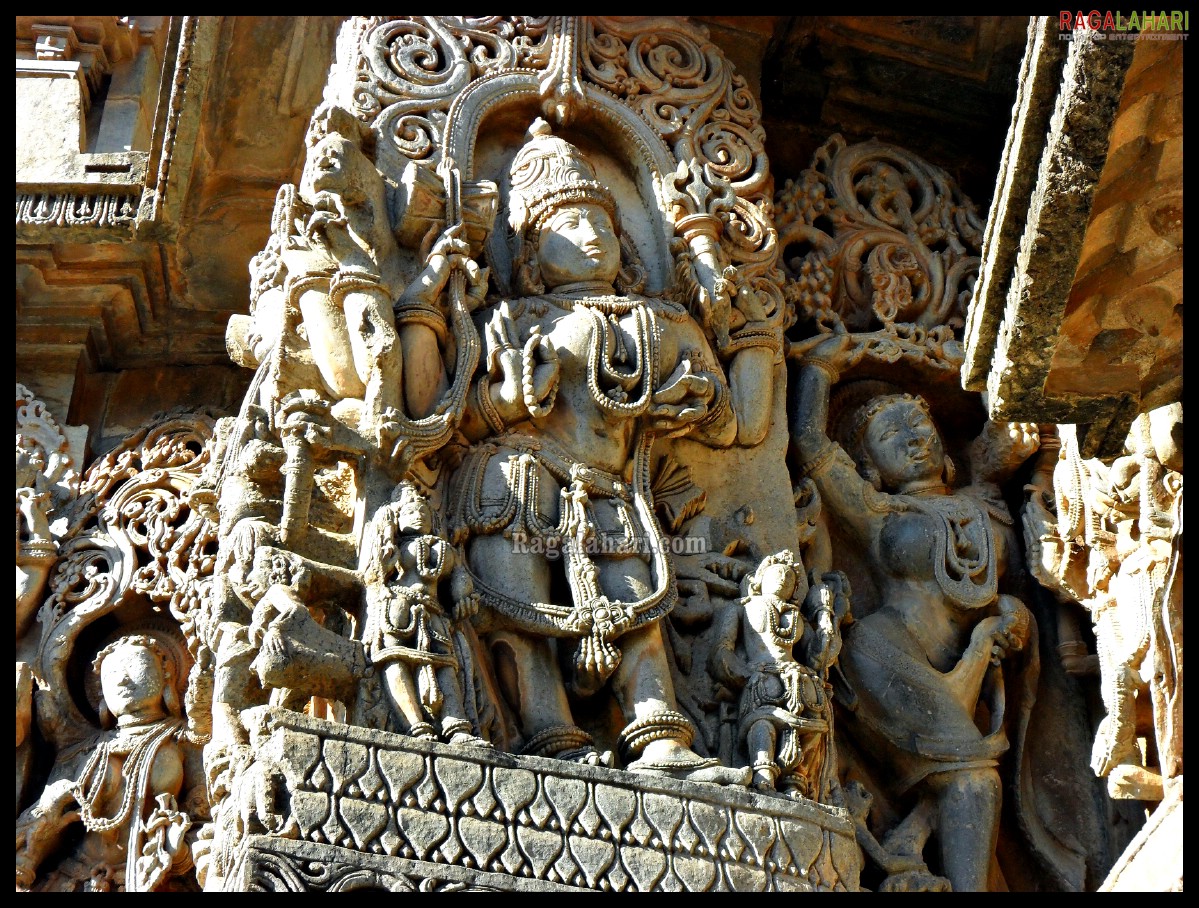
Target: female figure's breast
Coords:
[(906, 545)]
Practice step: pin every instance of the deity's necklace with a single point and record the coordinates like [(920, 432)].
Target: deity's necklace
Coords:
[(430, 559), (139, 753), (773, 614)]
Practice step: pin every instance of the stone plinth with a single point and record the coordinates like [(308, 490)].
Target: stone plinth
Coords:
[(360, 808)]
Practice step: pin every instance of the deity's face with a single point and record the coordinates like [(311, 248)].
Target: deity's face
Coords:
[(904, 445), (330, 168), (578, 243), (132, 680), (415, 516), (778, 582)]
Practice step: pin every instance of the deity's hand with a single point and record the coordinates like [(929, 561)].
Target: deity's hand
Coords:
[(834, 352), (450, 251), (730, 668), (38, 823), (476, 284), (305, 420), (683, 398), (1001, 447), (750, 304), (1005, 633), (1015, 624), (540, 368), (503, 357), (720, 573), (56, 799), (984, 643), (466, 607), (466, 597), (528, 374)]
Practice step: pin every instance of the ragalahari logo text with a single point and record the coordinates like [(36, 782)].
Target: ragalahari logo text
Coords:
[(1116, 26)]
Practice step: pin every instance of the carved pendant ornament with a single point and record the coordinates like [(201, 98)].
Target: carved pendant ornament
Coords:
[(489, 584)]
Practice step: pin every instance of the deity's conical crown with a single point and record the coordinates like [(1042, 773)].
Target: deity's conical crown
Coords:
[(547, 173)]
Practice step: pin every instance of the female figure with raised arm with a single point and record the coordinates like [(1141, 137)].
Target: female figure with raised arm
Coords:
[(925, 692)]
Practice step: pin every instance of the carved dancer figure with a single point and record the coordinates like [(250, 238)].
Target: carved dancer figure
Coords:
[(45, 482), (784, 712), (408, 634), (121, 785), (344, 271), (919, 666), (579, 379)]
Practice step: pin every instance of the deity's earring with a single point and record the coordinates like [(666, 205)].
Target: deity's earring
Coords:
[(106, 718), (170, 697), (526, 271), (951, 471), (871, 474)]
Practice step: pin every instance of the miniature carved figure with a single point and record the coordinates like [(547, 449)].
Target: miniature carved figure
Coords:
[(919, 667), (36, 549), (784, 714), (46, 482), (408, 634), (579, 379), (121, 785), (1146, 497)]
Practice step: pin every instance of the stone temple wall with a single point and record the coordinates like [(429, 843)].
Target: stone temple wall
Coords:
[(571, 501)]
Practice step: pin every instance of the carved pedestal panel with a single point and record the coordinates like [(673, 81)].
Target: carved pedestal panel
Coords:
[(360, 809)]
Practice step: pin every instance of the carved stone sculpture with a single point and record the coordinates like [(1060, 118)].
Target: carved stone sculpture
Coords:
[(122, 785), (410, 638), (525, 563), (785, 711), (449, 503), (944, 628), (1105, 535), (133, 557), (46, 482), (581, 379)]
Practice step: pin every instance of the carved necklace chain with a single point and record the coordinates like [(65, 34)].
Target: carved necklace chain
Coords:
[(429, 561), (603, 307), (608, 303), (964, 560), (785, 636), (137, 752)]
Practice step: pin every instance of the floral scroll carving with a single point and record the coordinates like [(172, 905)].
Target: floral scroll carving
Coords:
[(878, 241)]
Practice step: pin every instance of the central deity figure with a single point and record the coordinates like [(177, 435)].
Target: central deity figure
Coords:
[(579, 380)]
